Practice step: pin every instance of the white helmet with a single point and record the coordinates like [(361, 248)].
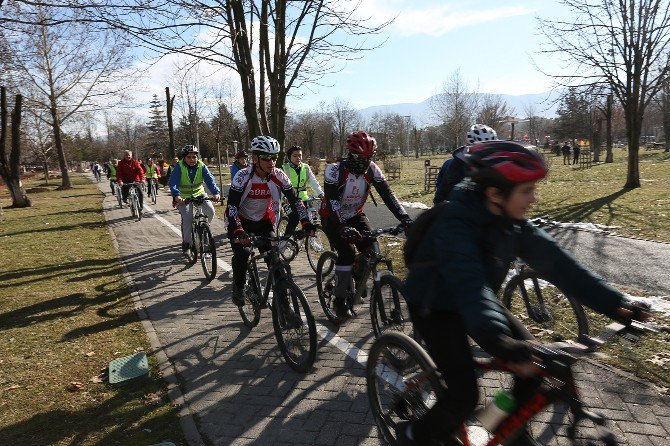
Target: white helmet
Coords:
[(480, 133), (265, 144)]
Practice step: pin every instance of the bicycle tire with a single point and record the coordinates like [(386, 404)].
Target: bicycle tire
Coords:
[(388, 310), (131, 202), (325, 284), (136, 199), (402, 393), (207, 252), (192, 253), (154, 194), (251, 310), (557, 317), (315, 246), (288, 249), (119, 197), (294, 326)]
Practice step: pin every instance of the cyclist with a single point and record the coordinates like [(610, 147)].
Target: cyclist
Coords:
[(299, 173), (188, 180), (97, 171), (110, 171), (459, 266), (253, 206), (239, 163), (153, 172), (129, 170), (347, 185), (454, 169)]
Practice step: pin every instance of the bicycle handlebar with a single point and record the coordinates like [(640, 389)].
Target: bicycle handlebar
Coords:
[(395, 230), (199, 200), (255, 239)]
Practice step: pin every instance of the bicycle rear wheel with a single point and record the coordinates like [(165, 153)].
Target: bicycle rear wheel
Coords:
[(251, 310), (315, 246), (207, 252), (402, 382), (294, 326), (549, 315), (388, 310)]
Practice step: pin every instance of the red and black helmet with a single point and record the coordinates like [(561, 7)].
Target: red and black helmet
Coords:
[(504, 163), (362, 143)]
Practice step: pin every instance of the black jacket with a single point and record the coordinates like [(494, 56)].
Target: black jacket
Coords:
[(464, 257)]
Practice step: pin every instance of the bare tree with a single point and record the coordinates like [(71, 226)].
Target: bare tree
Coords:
[(40, 142), (70, 67), (621, 44), (492, 111), (455, 107), (346, 120), (9, 165)]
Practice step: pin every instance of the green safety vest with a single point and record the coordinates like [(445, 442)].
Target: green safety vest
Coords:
[(188, 189), (112, 170), (152, 171), (298, 179)]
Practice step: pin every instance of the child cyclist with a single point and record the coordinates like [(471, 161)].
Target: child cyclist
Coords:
[(457, 268), (346, 188)]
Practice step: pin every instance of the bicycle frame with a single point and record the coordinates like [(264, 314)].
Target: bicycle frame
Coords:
[(276, 269)]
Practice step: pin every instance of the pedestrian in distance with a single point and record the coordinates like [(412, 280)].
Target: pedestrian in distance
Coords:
[(565, 150), (575, 154), (239, 163)]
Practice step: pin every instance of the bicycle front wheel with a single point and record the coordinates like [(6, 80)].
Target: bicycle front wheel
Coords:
[(294, 326), (288, 249), (138, 209), (154, 193), (325, 284), (388, 310), (402, 382), (207, 252), (119, 197), (251, 310), (315, 246), (192, 252), (131, 202), (549, 315)]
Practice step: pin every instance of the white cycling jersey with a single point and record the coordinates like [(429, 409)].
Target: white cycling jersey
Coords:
[(354, 190), (260, 198)]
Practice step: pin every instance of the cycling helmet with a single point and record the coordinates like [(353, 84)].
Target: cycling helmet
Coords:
[(264, 144), (504, 164), (189, 149), (480, 133), (362, 143)]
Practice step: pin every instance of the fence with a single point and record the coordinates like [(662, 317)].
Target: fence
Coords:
[(430, 177), (392, 169)]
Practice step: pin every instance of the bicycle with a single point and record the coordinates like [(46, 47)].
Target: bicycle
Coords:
[(292, 319), (405, 390), (134, 201), (553, 315), (387, 306), (314, 245), (202, 242), (153, 190)]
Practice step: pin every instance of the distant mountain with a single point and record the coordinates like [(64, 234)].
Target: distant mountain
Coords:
[(545, 105)]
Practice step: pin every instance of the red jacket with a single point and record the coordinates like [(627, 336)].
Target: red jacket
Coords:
[(129, 171)]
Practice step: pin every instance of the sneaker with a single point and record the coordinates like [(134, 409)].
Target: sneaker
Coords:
[(341, 308), (238, 295)]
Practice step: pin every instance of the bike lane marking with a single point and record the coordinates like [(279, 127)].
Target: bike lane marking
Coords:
[(224, 265)]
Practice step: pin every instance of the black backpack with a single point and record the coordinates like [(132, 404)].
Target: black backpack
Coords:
[(416, 233)]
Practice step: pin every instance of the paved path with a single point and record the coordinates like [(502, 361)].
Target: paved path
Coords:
[(238, 389)]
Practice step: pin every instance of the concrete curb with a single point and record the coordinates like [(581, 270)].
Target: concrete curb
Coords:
[(186, 418)]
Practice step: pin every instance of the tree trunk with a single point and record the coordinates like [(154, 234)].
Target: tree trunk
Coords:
[(595, 140), (10, 167), (666, 125), (609, 158), (170, 103), (45, 163), (58, 142), (633, 130)]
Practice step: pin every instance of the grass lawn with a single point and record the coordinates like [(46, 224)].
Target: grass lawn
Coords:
[(65, 313), (594, 195)]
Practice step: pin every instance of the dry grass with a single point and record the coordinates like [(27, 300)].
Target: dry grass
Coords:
[(65, 312)]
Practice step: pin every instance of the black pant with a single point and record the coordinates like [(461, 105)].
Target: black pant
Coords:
[(241, 252), (345, 251), (126, 188), (447, 343), (293, 220)]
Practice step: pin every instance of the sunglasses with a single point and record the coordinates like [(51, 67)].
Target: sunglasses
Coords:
[(267, 157)]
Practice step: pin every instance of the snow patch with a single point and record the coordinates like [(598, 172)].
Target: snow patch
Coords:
[(414, 205)]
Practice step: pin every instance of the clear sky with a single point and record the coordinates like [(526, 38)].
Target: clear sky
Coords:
[(492, 42)]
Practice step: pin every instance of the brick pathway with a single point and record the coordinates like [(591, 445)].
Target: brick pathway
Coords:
[(238, 388)]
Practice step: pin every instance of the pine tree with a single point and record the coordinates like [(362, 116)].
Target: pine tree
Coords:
[(157, 142)]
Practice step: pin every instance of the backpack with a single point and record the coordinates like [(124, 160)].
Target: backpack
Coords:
[(416, 233)]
